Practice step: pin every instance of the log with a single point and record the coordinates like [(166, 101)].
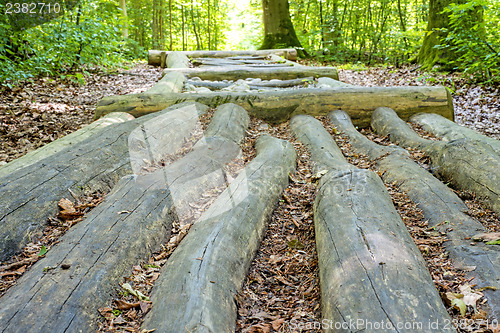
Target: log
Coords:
[(437, 202), (170, 83), (448, 130), (217, 85), (265, 73), (177, 59), (154, 56), (28, 196), (64, 142), (370, 269), (278, 59), (279, 106), (464, 163), (331, 83), (134, 220), (201, 278)]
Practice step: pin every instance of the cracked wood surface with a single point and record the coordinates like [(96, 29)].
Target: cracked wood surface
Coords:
[(370, 269), (197, 287), (28, 196), (465, 163), (279, 106), (438, 203), (133, 221)]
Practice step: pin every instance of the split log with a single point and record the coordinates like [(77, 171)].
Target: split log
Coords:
[(331, 83), (448, 130), (64, 142), (28, 196), (438, 204), (278, 59), (134, 220), (201, 278), (154, 56), (279, 106), (217, 85), (170, 83), (467, 164), (239, 72), (177, 59), (370, 269)]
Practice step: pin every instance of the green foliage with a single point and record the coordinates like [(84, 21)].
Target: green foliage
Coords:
[(473, 36), (88, 36)]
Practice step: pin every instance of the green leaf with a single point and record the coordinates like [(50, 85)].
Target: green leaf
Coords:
[(43, 251), (459, 304), (495, 242)]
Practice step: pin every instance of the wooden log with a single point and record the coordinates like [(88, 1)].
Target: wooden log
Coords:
[(331, 83), (177, 59), (278, 59), (170, 83), (243, 72), (64, 142), (28, 196), (438, 203), (467, 164), (448, 130), (201, 278), (134, 220), (217, 85), (279, 106), (154, 56), (370, 269)]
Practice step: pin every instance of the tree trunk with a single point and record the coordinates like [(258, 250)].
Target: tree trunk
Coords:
[(438, 203), (467, 164), (134, 220), (278, 27), (28, 196), (123, 6), (448, 130), (64, 142), (279, 106), (154, 56), (370, 269), (200, 280)]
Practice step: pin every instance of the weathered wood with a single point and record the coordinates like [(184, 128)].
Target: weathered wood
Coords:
[(154, 56), (217, 85), (215, 73), (448, 130), (28, 196), (370, 269), (437, 202), (170, 83), (201, 278), (278, 59), (64, 142), (134, 220), (331, 83), (279, 106), (177, 59), (467, 164)]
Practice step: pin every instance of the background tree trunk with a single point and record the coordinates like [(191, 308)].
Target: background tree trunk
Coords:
[(123, 6), (278, 27)]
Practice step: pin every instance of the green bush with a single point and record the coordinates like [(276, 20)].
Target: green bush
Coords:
[(88, 36), (474, 39)]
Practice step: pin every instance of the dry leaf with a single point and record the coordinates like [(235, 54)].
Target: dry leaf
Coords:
[(277, 323), (124, 305)]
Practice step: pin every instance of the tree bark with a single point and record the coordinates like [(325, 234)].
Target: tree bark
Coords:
[(177, 59), (262, 72), (134, 220), (215, 85), (279, 106), (28, 196), (200, 280), (170, 83), (437, 202), (466, 164), (154, 56), (64, 142), (278, 27), (448, 130), (370, 269), (123, 6)]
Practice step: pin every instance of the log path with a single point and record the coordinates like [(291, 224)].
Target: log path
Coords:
[(157, 167)]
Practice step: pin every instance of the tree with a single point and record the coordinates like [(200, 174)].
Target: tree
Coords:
[(278, 27), (438, 26)]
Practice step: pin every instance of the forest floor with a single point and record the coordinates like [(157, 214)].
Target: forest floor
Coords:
[(282, 285)]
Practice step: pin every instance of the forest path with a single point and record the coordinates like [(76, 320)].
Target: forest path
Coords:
[(282, 286)]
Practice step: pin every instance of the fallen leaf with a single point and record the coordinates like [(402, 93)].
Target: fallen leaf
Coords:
[(136, 293), (43, 251), (487, 237), (124, 305), (259, 328), (276, 324)]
